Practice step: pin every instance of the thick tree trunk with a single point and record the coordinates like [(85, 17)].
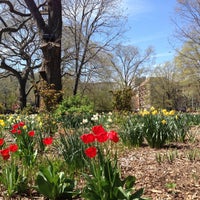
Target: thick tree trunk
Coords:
[(22, 94), (51, 70), (51, 33), (51, 46)]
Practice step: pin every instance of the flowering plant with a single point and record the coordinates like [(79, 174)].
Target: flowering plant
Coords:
[(161, 126), (26, 142), (29, 141), (104, 178), (11, 176), (156, 127)]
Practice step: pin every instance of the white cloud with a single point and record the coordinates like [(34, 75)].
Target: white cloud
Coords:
[(137, 7)]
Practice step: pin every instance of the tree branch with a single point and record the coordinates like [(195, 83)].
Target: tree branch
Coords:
[(11, 8), (36, 15), (8, 68), (11, 29)]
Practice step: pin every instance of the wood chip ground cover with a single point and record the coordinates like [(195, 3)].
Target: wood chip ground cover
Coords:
[(171, 173)]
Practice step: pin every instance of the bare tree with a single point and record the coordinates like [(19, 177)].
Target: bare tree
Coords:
[(188, 31), (189, 73), (20, 56), (48, 17), (50, 28), (165, 87), (92, 25), (129, 64), (188, 28), (188, 21)]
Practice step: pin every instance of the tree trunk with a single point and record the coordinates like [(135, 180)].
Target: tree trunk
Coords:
[(51, 47), (77, 79), (22, 94), (51, 71), (51, 33)]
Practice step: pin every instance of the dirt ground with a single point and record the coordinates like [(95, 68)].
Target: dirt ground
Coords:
[(171, 173)]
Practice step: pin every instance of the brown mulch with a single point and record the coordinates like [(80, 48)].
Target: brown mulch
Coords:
[(170, 173)]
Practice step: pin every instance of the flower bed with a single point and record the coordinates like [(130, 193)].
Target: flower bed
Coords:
[(49, 160)]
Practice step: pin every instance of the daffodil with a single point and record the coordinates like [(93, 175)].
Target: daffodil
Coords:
[(24, 127), (144, 112), (2, 123), (154, 112), (152, 108), (172, 112)]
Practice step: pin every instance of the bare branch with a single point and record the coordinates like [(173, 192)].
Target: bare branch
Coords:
[(8, 68), (11, 29), (36, 14), (11, 8)]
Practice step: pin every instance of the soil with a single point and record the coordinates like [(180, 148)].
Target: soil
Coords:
[(170, 173)]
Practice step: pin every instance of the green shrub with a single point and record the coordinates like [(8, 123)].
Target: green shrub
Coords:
[(122, 99), (74, 104), (73, 110)]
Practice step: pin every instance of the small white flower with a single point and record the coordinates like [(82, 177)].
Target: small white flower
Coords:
[(109, 119), (85, 121), (95, 117)]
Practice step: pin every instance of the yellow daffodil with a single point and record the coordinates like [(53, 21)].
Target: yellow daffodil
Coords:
[(152, 108), (172, 112), (24, 127), (154, 112), (2, 123), (164, 121), (144, 112)]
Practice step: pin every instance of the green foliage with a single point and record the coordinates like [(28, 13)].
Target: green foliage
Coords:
[(26, 144), (97, 93), (122, 99), (72, 151), (9, 93), (157, 127), (72, 104), (155, 132), (73, 120), (131, 132), (47, 123), (102, 175), (13, 179), (106, 182), (193, 119), (53, 183), (171, 186), (180, 125), (29, 109), (73, 110), (2, 108)]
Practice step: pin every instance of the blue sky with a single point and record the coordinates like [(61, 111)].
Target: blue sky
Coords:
[(150, 24)]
